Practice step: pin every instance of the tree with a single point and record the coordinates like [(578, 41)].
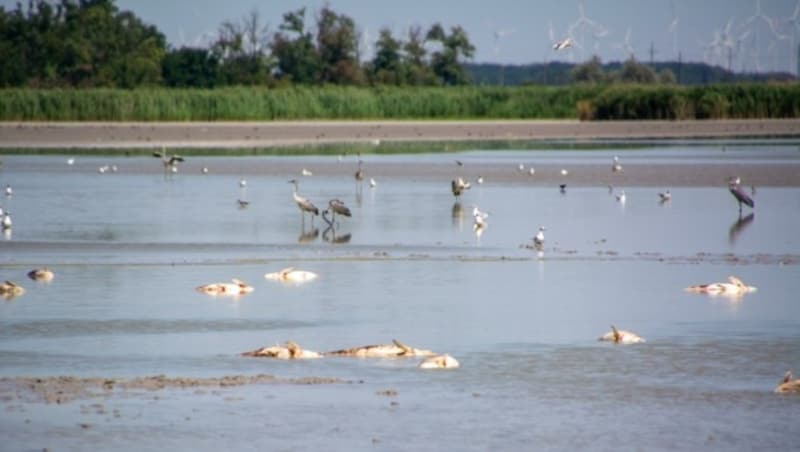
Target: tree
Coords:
[(387, 65), (446, 63), (190, 67), (589, 72), (293, 47), (337, 45), (241, 49), (635, 72), (416, 69)]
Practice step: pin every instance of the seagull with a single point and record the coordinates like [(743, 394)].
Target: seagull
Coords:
[(306, 172), (564, 172), (621, 197), (479, 216), (458, 185), (9, 190), (243, 182), (372, 183), (665, 196), (204, 170), (563, 44), (538, 239), (531, 171), (6, 220), (70, 161), (480, 180), (615, 165)]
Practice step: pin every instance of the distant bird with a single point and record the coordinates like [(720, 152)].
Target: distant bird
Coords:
[(70, 161), (43, 274), (610, 189), (170, 161), (234, 288), (621, 198), (6, 220), (562, 188), (521, 167), (459, 163), (788, 384), (665, 196), (360, 172), (204, 170), (564, 172), (302, 203), (306, 172), (621, 337), (531, 171), (734, 286), (372, 183), (615, 165), (113, 168), (243, 204), (739, 194), (538, 239), (479, 217), (480, 180), (458, 185), (563, 44), (289, 274), (9, 290), (9, 190), (439, 362), (103, 169), (336, 206)]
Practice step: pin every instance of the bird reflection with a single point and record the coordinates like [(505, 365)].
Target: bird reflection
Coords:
[(329, 234), (308, 237), (458, 215), (738, 226)]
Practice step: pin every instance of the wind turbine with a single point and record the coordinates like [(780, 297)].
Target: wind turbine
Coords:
[(673, 29), (582, 23), (752, 22), (626, 46)]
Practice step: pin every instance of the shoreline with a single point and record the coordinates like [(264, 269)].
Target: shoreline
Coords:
[(253, 135)]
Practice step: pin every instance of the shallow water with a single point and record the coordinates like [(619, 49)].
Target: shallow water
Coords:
[(129, 248)]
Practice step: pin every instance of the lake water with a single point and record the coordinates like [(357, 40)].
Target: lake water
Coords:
[(129, 248)]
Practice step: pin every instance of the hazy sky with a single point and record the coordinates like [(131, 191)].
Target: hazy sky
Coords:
[(525, 24)]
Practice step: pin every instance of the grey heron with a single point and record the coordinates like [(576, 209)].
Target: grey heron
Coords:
[(302, 203), (337, 206), (739, 194)]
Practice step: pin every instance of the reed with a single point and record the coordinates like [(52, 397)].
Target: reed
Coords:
[(352, 103)]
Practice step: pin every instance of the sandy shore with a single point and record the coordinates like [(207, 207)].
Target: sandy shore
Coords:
[(126, 135)]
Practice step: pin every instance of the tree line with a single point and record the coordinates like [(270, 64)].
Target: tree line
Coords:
[(91, 43)]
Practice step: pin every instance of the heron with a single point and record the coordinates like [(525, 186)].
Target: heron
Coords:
[(302, 203), (615, 165), (538, 239), (739, 194), (170, 161)]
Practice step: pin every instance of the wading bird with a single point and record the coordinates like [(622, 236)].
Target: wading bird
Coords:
[(360, 172), (337, 206), (739, 194), (43, 274), (620, 337), (615, 165), (302, 203), (788, 384), (734, 286), (538, 239), (170, 161)]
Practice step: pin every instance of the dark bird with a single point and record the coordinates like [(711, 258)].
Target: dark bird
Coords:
[(360, 173), (337, 206), (562, 188), (739, 194), (170, 161), (458, 185)]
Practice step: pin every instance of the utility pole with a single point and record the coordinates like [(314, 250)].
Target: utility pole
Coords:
[(680, 67)]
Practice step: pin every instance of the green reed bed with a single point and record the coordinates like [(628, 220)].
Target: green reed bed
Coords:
[(352, 103)]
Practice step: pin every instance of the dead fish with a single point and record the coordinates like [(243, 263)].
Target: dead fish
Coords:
[(734, 287), (788, 385), (237, 287), (394, 350), (288, 351), (439, 362), (621, 337), (43, 274)]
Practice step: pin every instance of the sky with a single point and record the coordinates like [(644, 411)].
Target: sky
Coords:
[(518, 31)]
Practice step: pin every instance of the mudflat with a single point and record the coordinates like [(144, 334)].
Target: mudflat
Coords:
[(127, 135)]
